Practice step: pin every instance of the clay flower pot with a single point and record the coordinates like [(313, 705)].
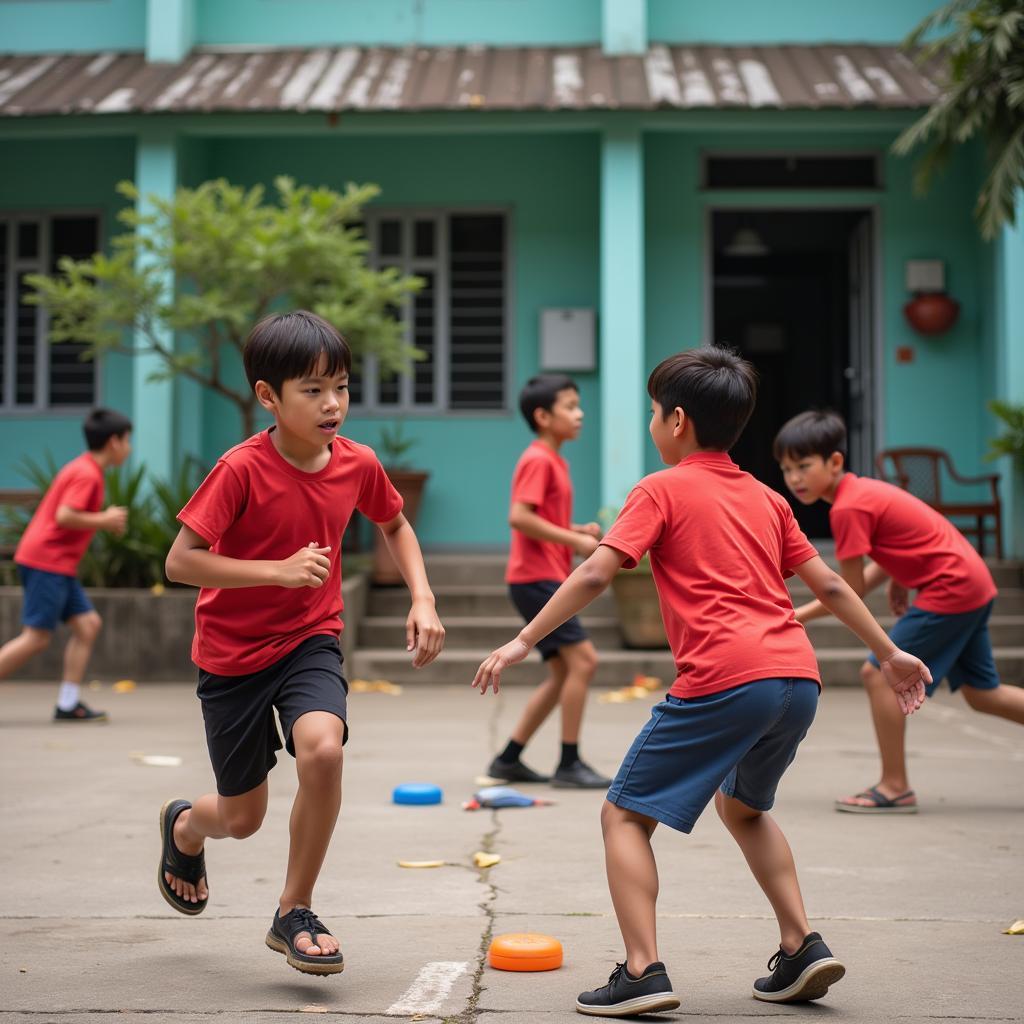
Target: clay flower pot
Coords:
[(931, 314), (409, 484)]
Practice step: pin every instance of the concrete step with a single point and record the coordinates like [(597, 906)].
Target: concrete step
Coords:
[(480, 632), (463, 600), (840, 666)]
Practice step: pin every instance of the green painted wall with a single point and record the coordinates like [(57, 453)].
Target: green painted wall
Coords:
[(36, 176), (795, 21), (550, 187), (400, 22), (28, 26)]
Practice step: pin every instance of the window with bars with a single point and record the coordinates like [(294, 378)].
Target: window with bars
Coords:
[(457, 320), (34, 374)]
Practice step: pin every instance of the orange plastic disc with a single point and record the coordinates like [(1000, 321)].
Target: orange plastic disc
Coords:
[(524, 951)]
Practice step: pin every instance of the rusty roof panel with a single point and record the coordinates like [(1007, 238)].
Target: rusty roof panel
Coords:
[(469, 78)]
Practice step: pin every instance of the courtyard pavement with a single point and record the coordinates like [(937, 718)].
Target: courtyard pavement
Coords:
[(914, 905)]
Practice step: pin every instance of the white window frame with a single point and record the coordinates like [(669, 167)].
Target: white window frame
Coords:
[(40, 265), (438, 265)]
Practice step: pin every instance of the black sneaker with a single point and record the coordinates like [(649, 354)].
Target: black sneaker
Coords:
[(514, 771), (625, 995), (803, 976), (79, 713), (579, 776)]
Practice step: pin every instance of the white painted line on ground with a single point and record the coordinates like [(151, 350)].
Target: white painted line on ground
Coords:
[(431, 988)]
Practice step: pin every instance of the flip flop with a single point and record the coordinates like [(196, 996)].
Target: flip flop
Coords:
[(182, 865), (283, 933), (880, 803)]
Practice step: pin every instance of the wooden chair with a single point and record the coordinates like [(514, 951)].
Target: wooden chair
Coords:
[(919, 471)]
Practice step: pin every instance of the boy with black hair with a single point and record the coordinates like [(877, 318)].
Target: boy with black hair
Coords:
[(721, 544), (913, 547), (48, 554), (262, 538), (544, 540)]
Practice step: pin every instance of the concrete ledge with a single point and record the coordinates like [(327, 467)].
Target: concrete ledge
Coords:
[(147, 636)]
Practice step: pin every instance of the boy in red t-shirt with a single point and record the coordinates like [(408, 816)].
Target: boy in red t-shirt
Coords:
[(262, 538), (721, 544), (544, 539), (48, 554), (913, 547)]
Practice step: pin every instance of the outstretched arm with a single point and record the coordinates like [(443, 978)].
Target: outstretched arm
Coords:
[(582, 540), (587, 582), (903, 672)]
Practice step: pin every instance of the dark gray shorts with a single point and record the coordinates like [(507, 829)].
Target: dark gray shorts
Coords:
[(529, 599), (241, 733)]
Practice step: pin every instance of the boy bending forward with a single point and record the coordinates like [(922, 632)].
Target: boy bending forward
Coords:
[(721, 544), (262, 538)]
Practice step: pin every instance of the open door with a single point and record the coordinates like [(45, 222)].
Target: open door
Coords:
[(860, 371)]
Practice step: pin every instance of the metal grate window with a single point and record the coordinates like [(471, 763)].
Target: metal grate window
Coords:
[(34, 374), (458, 319)]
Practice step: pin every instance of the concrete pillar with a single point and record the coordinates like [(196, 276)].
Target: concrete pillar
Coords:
[(623, 375), (170, 29), (1010, 370), (624, 26), (156, 174)]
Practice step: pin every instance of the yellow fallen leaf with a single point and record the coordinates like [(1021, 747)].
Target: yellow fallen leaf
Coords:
[(313, 1008), (638, 692), (1017, 928), (124, 686), (486, 860), (651, 683), (157, 589), (614, 697), (421, 863), (375, 686)]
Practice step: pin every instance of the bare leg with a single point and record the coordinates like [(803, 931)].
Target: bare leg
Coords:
[(581, 664), (633, 882), (771, 863), (215, 817), (27, 644), (890, 731), (84, 630), (541, 703), (317, 737), (1003, 702)]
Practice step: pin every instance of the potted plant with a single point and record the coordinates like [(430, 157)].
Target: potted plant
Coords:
[(393, 445), (636, 599)]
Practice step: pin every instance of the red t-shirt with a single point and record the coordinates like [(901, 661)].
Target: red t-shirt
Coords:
[(256, 505), (913, 543), (721, 545), (52, 548), (541, 479)]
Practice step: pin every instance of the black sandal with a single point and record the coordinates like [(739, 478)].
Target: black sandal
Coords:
[(181, 865), (284, 931)]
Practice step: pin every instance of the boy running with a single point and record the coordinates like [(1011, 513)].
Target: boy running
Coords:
[(544, 540), (48, 554), (913, 548), (262, 538), (720, 544)]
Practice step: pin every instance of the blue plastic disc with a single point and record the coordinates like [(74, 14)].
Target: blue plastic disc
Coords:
[(417, 793)]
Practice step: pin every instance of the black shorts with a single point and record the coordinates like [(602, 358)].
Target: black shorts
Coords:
[(241, 733), (529, 598)]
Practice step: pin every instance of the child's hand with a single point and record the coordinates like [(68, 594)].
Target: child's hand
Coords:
[(489, 673), (907, 676), (591, 529), (424, 634), (585, 545), (308, 567), (899, 597), (115, 519)]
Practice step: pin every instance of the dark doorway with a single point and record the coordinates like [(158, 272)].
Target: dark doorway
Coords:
[(792, 291)]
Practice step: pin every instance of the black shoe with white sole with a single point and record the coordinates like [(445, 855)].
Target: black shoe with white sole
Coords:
[(801, 977), (625, 996)]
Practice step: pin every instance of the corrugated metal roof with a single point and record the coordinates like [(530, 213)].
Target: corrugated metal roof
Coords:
[(470, 78)]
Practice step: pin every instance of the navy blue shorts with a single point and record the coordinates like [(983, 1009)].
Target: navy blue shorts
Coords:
[(954, 647), (50, 598), (740, 741), (529, 598), (238, 711)]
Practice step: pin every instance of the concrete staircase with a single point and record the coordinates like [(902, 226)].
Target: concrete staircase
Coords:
[(473, 603)]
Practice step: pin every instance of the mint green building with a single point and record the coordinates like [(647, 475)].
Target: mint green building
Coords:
[(585, 185)]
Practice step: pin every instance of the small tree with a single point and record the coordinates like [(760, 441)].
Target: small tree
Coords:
[(233, 258), (983, 50)]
